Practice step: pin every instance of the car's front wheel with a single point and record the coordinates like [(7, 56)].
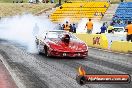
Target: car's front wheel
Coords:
[(46, 51)]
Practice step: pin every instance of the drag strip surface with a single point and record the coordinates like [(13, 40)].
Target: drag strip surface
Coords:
[(6, 80), (38, 71)]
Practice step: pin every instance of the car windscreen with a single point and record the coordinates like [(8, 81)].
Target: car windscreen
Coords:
[(70, 34), (51, 35)]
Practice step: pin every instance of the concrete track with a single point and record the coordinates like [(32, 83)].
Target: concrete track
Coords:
[(37, 71)]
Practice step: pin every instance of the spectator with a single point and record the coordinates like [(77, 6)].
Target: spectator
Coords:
[(70, 28), (63, 26), (35, 29), (74, 28), (103, 28), (110, 28), (114, 22), (129, 31), (102, 14), (89, 26), (67, 28), (60, 28)]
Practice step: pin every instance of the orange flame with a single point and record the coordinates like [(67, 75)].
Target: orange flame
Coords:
[(81, 71)]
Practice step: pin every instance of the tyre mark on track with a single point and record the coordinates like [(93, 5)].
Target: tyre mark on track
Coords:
[(31, 76), (76, 65), (101, 68), (53, 66), (111, 65), (33, 80)]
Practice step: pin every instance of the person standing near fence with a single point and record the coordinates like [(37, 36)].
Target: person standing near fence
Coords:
[(110, 28), (67, 28), (74, 28), (70, 28), (103, 28), (89, 26), (129, 31)]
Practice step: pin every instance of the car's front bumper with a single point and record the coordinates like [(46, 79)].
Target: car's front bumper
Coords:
[(69, 54)]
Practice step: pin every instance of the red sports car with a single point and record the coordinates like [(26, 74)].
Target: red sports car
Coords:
[(61, 44)]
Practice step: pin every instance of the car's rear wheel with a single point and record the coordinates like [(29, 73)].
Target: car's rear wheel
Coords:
[(39, 51), (37, 42), (38, 46)]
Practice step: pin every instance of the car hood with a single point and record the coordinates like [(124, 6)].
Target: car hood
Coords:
[(72, 46)]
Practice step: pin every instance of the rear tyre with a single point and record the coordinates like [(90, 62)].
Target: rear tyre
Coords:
[(37, 46), (39, 51)]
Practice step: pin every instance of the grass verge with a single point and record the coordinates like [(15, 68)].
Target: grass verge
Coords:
[(11, 9)]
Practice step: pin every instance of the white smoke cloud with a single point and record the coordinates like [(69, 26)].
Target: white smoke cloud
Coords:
[(96, 26), (81, 26), (22, 29)]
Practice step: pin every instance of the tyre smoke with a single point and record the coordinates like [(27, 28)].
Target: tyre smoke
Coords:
[(23, 29)]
